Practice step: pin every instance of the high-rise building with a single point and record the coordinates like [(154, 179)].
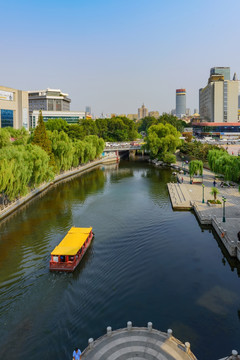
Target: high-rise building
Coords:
[(218, 101), (142, 112), (180, 102), (13, 108), (225, 71)]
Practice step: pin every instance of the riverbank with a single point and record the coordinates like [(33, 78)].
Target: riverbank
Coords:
[(15, 205), (186, 196)]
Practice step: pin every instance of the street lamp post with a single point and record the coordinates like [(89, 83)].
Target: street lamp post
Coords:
[(203, 186), (224, 201)]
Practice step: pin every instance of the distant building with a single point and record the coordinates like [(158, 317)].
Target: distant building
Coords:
[(72, 117), (154, 114), (180, 103), (13, 108), (195, 111), (225, 71), (88, 110), (173, 112), (142, 112), (218, 101), (132, 116), (188, 112)]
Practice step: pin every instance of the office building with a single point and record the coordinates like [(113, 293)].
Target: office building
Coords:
[(142, 112), (225, 71), (180, 103), (13, 108), (218, 101), (49, 99)]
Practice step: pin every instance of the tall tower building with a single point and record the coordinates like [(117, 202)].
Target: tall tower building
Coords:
[(142, 112), (180, 102), (218, 101)]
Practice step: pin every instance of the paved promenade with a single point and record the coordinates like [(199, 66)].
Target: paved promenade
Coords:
[(185, 196), (137, 343)]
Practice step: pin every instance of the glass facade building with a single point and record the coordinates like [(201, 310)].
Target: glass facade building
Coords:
[(6, 118), (225, 71)]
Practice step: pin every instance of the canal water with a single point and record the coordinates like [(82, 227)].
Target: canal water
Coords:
[(146, 263)]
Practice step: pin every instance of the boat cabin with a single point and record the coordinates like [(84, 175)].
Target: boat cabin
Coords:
[(67, 255)]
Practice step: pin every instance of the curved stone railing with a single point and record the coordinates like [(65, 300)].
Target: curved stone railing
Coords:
[(137, 343)]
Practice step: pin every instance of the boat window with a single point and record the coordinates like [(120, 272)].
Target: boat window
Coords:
[(62, 258), (55, 258), (71, 258)]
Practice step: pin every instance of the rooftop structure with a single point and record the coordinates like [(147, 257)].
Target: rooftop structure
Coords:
[(225, 71), (49, 99)]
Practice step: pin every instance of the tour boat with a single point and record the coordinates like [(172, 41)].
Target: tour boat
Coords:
[(67, 255)]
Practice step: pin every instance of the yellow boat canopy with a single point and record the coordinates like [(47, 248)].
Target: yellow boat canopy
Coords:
[(72, 242)]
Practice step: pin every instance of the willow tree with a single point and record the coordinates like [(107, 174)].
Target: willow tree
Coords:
[(162, 139), (195, 168), (63, 150)]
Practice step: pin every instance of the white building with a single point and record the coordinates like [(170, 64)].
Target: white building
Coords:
[(218, 101), (72, 117)]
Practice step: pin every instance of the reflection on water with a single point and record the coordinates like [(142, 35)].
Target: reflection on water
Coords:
[(146, 263)]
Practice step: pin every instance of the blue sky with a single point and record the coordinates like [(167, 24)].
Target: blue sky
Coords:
[(115, 54)]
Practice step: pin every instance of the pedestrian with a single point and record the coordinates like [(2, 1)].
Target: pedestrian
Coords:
[(232, 152), (182, 179), (214, 183), (77, 354)]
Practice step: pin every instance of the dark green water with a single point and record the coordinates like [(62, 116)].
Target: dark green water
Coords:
[(146, 263)]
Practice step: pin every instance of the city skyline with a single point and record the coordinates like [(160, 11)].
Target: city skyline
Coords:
[(91, 50)]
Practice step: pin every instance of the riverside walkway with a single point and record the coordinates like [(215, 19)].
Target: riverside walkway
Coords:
[(185, 196)]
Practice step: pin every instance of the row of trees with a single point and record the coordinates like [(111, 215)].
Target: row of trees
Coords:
[(221, 162), (114, 129), (197, 150), (40, 157), (164, 119)]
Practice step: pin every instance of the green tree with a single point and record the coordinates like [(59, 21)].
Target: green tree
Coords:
[(169, 158), (40, 136), (63, 150), (195, 168), (162, 139), (56, 124), (4, 138), (214, 192)]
